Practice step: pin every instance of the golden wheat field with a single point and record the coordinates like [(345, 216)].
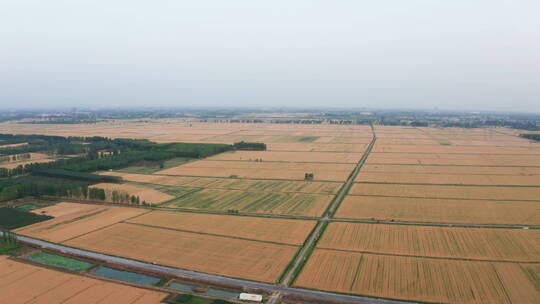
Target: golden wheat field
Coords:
[(420, 279), (316, 147), (454, 159), (302, 157), (146, 194), (437, 191), (450, 179), (305, 204), (78, 221), (285, 231), (23, 283), (268, 170), (226, 256), (429, 241), (232, 184), (187, 130), (440, 210), (531, 148), (532, 172)]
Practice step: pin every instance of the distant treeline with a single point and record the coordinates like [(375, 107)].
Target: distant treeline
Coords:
[(531, 136), (60, 177), (120, 152)]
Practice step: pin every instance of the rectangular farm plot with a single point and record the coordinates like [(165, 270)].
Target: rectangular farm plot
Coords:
[(79, 222), (532, 172), (285, 231), (419, 279), (454, 159), (302, 157), (145, 194), (24, 283), (428, 241), (265, 170), (437, 191), (449, 179), (254, 202), (226, 256), (234, 184), (440, 210), (533, 149), (317, 147)]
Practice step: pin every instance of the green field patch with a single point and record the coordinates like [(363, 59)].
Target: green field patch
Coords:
[(307, 138), (27, 207), (265, 185), (305, 204), (59, 261), (126, 276), (12, 218), (171, 190), (211, 292), (149, 167)]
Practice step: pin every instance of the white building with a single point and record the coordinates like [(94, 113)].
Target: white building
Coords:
[(250, 297)]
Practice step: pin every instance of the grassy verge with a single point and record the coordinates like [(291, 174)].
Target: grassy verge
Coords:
[(12, 218)]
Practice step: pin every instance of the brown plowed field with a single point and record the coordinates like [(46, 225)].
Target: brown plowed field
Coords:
[(211, 254), (420, 279), (23, 283), (302, 157), (79, 222), (450, 179), (440, 210), (428, 241), (436, 191), (284, 231), (270, 170)]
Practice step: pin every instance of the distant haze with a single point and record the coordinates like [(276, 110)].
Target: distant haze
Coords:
[(465, 55)]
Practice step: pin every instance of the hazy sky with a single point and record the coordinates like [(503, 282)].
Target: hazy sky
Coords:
[(458, 54)]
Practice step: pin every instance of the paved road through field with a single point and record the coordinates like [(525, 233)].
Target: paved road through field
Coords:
[(188, 274)]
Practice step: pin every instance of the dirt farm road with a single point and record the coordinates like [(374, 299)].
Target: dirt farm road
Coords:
[(317, 231), (187, 274)]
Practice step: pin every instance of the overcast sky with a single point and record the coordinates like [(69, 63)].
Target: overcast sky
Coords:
[(459, 54)]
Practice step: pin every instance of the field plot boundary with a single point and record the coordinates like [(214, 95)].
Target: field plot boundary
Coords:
[(465, 185), (202, 266), (198, 188), (429, 257), (210, 234), (279, 161), (104, 227), (449, 198), (450, 165), (250, 178), (435, 224), (299, 261), (409, 300)]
